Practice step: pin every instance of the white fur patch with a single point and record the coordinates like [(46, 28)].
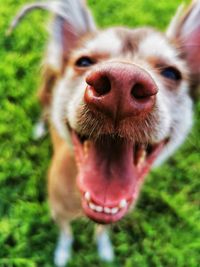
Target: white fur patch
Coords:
[(106, 42), (39, 130), (172, 28), (63, 250), (58, 110), (104, 246), (182, 120), (156, 45), (54, 50)]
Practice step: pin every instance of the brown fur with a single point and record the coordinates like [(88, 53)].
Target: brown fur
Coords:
[(63, 194)]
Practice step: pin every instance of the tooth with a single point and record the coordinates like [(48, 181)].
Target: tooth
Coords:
[(142, 157), (99, 209), (87, 196), (86, 146), (114, 210), (92, 206), (107, 210), (123, 203)]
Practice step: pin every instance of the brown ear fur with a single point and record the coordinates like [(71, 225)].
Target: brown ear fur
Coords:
[(49, 78)]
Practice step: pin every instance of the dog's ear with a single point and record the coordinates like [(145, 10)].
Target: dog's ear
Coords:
[(185, 31), (72, 20)]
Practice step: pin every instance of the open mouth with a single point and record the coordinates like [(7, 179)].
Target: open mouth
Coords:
[(111, 171)]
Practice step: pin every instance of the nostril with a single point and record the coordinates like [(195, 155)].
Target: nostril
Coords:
[(141, 91), (101, 85), (138, 91)]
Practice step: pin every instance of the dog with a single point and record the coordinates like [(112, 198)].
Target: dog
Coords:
[(118, 102)]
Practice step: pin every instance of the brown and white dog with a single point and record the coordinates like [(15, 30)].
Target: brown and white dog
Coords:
[(118, 103)]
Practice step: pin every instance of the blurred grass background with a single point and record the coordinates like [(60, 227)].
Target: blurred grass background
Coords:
[(164, 229)]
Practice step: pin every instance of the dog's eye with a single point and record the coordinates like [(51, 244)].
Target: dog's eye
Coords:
[(84, 62), (171, 73)]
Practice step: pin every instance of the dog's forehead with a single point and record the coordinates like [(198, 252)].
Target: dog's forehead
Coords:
[(156, 44), (146, 42), (106, 41)]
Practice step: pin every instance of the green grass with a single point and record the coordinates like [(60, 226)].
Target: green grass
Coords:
[(163, 230)]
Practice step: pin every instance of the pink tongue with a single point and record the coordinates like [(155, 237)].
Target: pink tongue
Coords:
[(108, 172)]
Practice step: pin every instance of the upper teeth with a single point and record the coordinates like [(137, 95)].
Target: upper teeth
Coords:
[(142, 158), (123, 204), (86, 146), (87, 196)]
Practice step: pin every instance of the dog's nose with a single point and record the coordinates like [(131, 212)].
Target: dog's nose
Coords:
[(120, 90)]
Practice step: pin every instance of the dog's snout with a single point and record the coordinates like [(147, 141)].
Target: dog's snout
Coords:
[(120, 90)]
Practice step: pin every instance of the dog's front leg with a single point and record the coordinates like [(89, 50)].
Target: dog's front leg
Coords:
[(63, 249), (104, 245), (64, 198)]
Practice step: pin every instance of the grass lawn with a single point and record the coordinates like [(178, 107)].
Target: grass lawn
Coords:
[(164, 229)]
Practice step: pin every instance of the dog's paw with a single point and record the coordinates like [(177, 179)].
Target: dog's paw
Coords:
[(61, 257), (105, 249), (39, 130), (62, 253)]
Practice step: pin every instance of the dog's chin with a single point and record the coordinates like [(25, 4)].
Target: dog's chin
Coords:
[(111, 171)]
